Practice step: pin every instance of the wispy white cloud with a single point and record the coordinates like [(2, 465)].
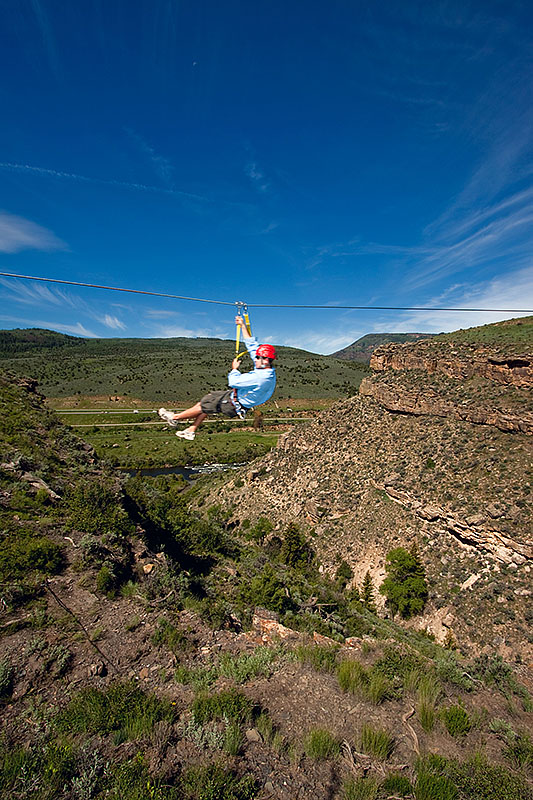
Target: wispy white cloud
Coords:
[(171, 331), (18, 233), (319, 341), (75, 329), (488, 238), (71, 176), (112, 322), (159, 313), (38, 294), (514, 290)]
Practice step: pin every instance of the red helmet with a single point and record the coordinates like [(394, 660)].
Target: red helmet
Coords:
[(266, 350)]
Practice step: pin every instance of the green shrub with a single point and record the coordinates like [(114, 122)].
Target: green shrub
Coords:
[(246, 666), (267, 590), (321, 744), (123, 708), (228, 704), (405, 585), (93, 507), (323, 659), (260, 530), (474, 779), (456, 720), (434, 787), (360, 789), (167, 634), (22, 553), (295, 551), (352, 677), (132, 780), (493, 671), (343, 574), (40, 771), (519, 750), (7, 673), (397, 662), (376, 742), (213, 782), (396, 785)]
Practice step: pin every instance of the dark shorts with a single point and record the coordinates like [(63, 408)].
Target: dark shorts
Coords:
[(219, 403)]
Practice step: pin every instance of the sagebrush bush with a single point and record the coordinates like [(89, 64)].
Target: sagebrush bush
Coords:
[(23, 552), (244, 667)]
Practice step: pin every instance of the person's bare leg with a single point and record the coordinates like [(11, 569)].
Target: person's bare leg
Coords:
[(197, 422), (189, 413), (195, 413)]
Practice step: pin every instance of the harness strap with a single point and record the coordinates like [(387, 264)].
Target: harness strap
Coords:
[(241, 411)]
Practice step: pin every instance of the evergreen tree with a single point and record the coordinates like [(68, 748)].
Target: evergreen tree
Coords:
[(343, 575), (405, 586), (367, 593), (295, 551)]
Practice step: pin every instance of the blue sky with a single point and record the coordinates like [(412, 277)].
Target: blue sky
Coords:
[(296, 152)]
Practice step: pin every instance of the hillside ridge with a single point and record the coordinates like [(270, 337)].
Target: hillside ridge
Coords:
[(436, 450)]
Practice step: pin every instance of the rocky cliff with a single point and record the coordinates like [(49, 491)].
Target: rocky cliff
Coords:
[(436, 450)]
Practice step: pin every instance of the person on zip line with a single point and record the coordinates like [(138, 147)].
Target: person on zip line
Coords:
[(246, 390)]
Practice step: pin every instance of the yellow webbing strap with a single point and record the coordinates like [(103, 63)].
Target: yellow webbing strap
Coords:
[(242, 311)]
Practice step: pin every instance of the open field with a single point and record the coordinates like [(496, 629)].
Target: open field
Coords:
[(138, 447)]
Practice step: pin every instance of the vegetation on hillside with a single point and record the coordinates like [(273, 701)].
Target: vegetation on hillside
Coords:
[(161, 371), (126, 669), (516, 332)]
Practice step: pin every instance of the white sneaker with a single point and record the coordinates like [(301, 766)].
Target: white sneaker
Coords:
[(189, 435), (168, 417)]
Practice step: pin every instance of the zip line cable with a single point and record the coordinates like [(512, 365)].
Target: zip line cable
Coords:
[(264, 305)]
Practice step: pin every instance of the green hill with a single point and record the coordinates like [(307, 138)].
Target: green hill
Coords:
[(161, 371), (517, 333)]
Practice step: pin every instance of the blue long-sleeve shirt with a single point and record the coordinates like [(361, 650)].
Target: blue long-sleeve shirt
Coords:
[(255, 387)]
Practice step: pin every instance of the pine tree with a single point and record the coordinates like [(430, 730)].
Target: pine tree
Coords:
[(367, 593), (405, 586)]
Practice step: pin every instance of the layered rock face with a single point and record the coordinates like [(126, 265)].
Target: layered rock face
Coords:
[(442, 457), (460, 362)]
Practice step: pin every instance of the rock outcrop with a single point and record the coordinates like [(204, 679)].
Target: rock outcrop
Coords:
[(462, 362), (435, 450), (425, 400)]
